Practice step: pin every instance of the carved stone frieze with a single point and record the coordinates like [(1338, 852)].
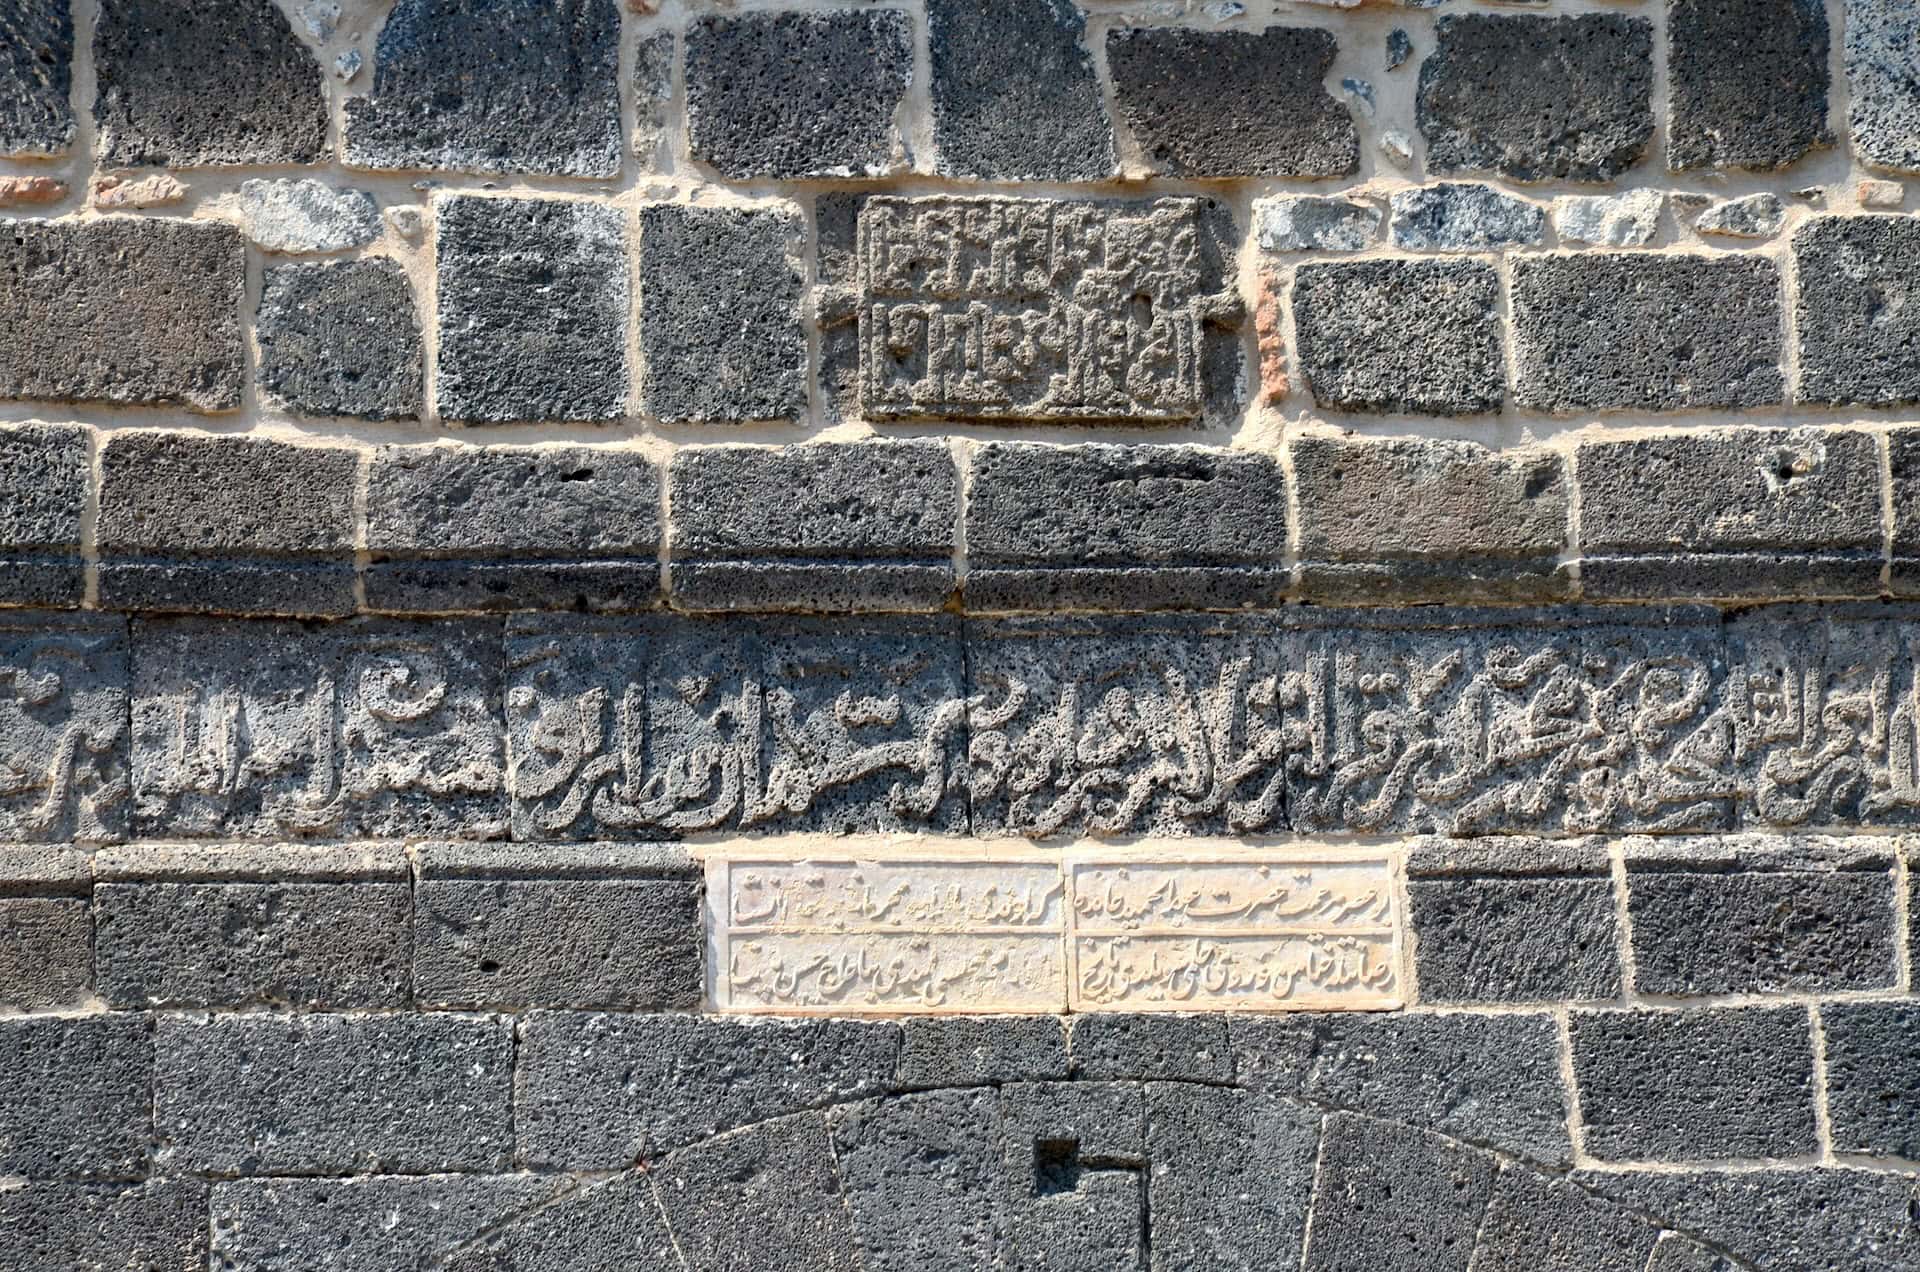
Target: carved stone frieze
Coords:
[(63, 728)]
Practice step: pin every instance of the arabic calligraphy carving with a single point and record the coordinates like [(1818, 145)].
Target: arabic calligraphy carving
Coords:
[(63, 736)]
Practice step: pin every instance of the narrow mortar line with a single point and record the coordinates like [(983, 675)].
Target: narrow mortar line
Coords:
[(1903, 881), (1569, 1082), (1822, 1110), (1623, 921)]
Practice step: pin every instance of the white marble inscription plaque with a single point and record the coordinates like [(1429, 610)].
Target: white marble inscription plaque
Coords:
[(1082, 930)]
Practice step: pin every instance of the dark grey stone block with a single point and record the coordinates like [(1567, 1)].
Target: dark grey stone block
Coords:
[(1627, 331), (1415, 336), (1858, 309), (79, 1097), (1454, 217), (598, 1091), (1873, 1077), (1515, 920), (1123, 527), (131, 311), (612, 1224), (938, 1051), (1014, 92), (63, 728), (341, 338), (1429, 520), (188, 83), (1484, 1079), (1105, 1046), (1749, 82), (1232, 103), (332, 930), (45, 472), (1750, 923), (1749, 511), (46, 952), (370, 729), (922, 1175), (502, 527), (1538, 98), (1389, 1196), (787, 95), (1534, 1223), (533, 309), (493, 86), (1074, 1187), (761, 1197), (36, 78), (720, 332), (1232, 1175), (322, 1094), (1074, 723), (1695, 1085), (196, 523), (1783, 1220), (1883, 76), (814, 528), (1675, 1253), (372, 1224), (160, 1224)]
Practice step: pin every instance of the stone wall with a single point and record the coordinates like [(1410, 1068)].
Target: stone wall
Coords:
[(959, 634)]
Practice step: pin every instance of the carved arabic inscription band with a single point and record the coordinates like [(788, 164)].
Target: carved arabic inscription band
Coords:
[(1079, 931)]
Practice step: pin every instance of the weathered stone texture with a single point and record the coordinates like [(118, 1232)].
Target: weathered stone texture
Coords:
[(1415, 336), (787, 95), (720, 332), (1858, 310), (1883, 79), (614, 1224), (922, 1176), (1619, 331), (189, 83), (1014, 92), (306, 216), (1732, 513), (1232, 103), (1464, 218), (160, 1224), (46, 951), (341, 339), (1231, 1176), (760, 1197), (63, 731), (1388, 1196), (1696, 1084), (1873, 1077), (1537, 98), (509, 86), (533, 310), (971, 1050), (1301, 224), (45, 471), (488, 528), (1541, 1224), (36, 78), (1123, 527), (136, 312), (1074, 1162), (80, 1097), (1107, 1046), (1757, 216), (1749, 82), (1622, 220), (325, 1094)]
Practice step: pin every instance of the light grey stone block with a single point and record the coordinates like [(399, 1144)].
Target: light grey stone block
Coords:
[(63, 730), (1306, 224), (1756, 216), (1620, 220), (305, 215), (1883, 79), (1452, 217)]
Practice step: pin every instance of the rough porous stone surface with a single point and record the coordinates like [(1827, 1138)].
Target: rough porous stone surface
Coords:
[(1232, 103), (1757, 216), (1014, 92), (759, 1197), (1302, 223), (1858, 310), (341, 339), (1883, 82), (1545, 1224), (1388, 1196), (1414, 336), (1619, 331), (533, 310), (720, 333), (125, 311), (192, 83), (969, 1050), (1617, 220), (1463, 218), (613, 1224), (916, 1171), (306, 216), (45, 472), (161, 1223), (1538, 98), (46, 952), (36, 78), (81, 1097), (1873, 1077), (797, 94), (1748, 82), (510, 86)]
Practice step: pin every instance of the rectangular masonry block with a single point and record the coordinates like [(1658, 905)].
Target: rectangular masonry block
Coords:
[(1073, 1167), (1429, 521), (1759, 915), (947, 1050), (612, 926), (1413, 336), (830, 527), (759, 1197), (1749, 82), (1733, 513), (341, 338), (196, 523), (36, 80), (922, 1178), (276, 730), (45, 473), (1859, 290), (1545, 1224), (1513, 920), (1873, 1077), (1883, 79), (328, 1095), (63, 728), (510, 528), (1233, 1175), (659, 728), (1386, 1196), (307, 927), (129, 311), (1123, 528), (533, 307), (46, 928), (612, 1224), (1607, 331), (1695, 1085), (158, 1224), (79, 1097)]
